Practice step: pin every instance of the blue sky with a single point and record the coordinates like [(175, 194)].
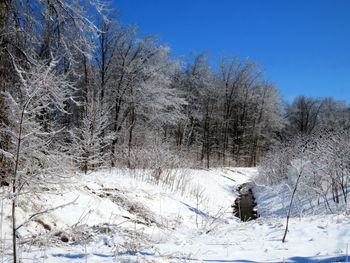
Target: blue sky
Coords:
[(303, 45)]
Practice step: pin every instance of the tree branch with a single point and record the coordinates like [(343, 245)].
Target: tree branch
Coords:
[(46, 211)]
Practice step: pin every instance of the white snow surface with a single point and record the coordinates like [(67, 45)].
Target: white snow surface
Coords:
[(123, 216)]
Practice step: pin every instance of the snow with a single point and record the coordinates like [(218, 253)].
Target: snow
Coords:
[(125, 216)]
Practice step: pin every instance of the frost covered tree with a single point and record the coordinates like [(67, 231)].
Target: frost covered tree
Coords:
[(317, 168), (4, 29), (34, 86), (111, 32), (267, 122), (303, 114), (193, 82), (232, 115), (139, 93), (88, 136), (33, 30), (334, 115), (235, 79), (330, 155), (196, 130), (33, 153), (250, 114)]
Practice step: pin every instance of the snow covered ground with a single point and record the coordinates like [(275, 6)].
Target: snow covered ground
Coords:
[(125, 216)]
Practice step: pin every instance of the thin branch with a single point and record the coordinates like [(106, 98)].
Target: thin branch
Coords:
[(46, 211)]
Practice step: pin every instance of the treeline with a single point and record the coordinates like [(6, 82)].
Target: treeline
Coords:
[(95, 94)]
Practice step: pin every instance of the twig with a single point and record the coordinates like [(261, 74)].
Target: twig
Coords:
[(46, 211), (290, 206)]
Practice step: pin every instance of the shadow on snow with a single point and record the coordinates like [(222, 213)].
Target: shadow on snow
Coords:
[(191, 208), (288, 260)]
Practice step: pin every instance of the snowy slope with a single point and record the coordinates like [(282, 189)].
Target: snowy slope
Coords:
[(125, 216)]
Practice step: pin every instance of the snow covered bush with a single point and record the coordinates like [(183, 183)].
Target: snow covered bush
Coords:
[(318, 164), (274, 166), (158, 162)]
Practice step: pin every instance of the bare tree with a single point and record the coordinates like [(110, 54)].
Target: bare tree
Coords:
[(303, 114), (195, 84), (139, 94), (334, 115), (3, 63), (249, 115)]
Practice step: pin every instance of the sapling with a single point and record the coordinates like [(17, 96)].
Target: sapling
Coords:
[(199, 198), (291, 203), (39, 95)]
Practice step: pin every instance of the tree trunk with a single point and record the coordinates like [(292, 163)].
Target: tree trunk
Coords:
[(15, 182), (14, 243), (290, 206), (3, 42), (132, 120), (3, 59)]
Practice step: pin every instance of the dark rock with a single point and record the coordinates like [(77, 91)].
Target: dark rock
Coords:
[(64, 238)]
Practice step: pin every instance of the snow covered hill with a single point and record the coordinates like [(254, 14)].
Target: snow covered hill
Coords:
[(164, 216)]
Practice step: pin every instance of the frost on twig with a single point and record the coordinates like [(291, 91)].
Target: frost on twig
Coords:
[(33, 216)]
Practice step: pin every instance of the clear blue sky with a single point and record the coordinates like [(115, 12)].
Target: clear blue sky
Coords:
[(303, 45)]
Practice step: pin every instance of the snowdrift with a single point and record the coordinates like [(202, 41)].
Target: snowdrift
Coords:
[(177, 216)]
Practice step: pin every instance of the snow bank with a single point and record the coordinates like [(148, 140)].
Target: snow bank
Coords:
[(124, 216)]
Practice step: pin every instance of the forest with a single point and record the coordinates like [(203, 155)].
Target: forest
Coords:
[(97, 95), (82, 91)]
